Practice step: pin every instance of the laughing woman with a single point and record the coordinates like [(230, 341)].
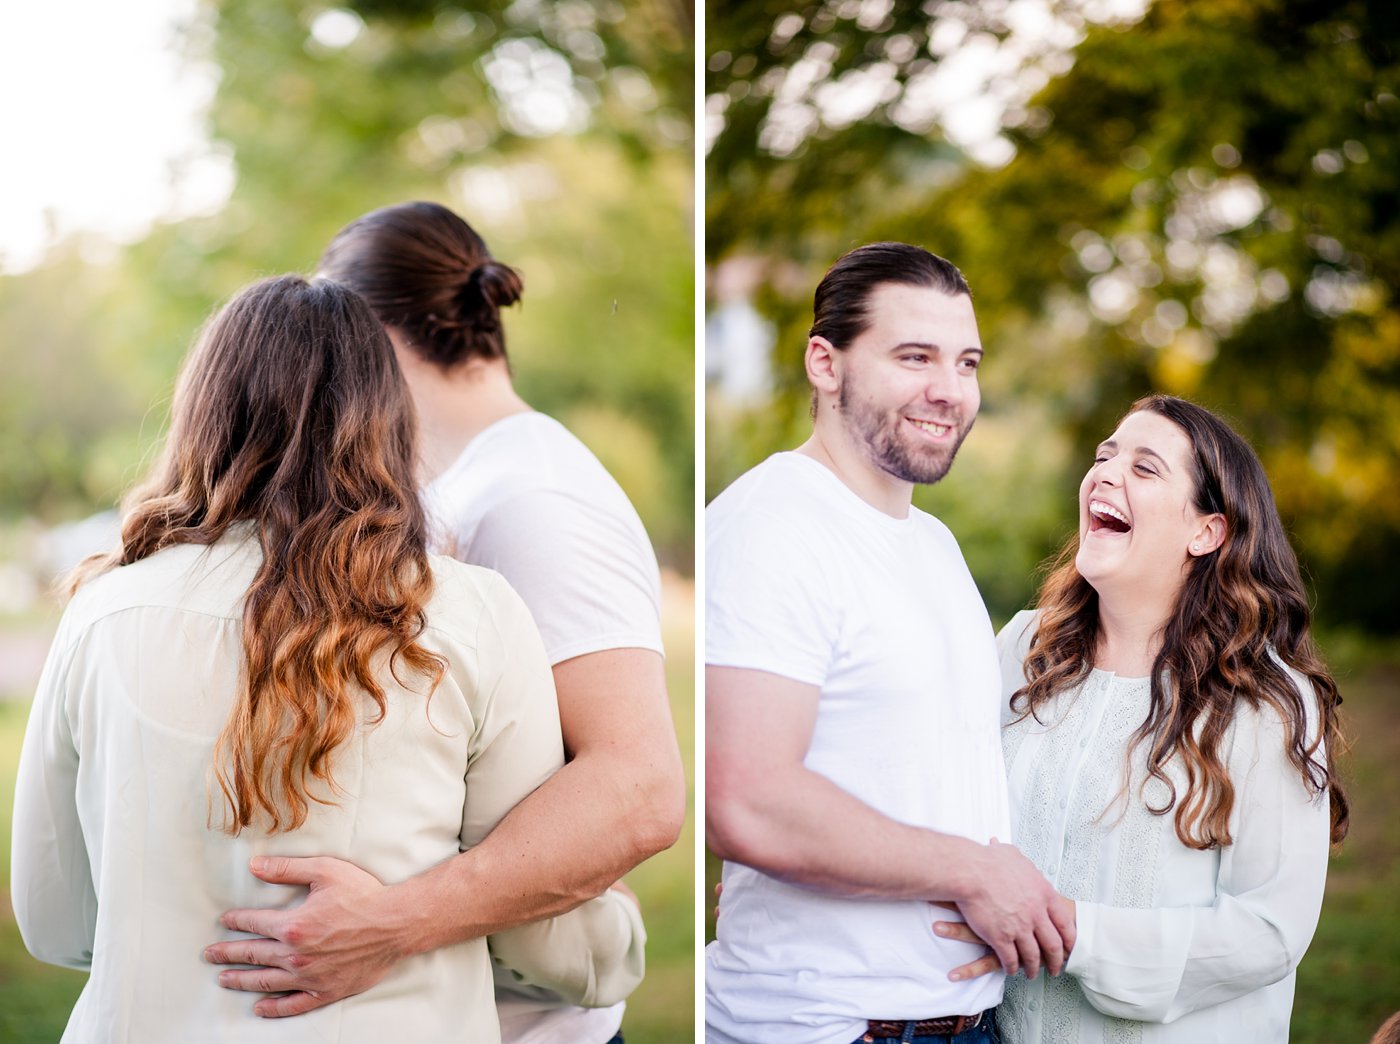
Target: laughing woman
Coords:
[(1169, 742)]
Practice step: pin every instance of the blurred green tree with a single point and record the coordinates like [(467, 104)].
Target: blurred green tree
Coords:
[(1204, 201), (561, 130)]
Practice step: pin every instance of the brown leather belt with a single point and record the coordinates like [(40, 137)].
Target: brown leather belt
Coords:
[(948, 1026)]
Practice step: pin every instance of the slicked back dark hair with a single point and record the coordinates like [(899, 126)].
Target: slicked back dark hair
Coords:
[(839, 307), (426, 272)]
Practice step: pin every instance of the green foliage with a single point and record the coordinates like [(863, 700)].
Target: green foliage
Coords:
[(1207, 203), (597, 216)]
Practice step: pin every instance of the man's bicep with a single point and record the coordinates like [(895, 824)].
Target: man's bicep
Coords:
[(614, 696), (758, 728), (769, 604)]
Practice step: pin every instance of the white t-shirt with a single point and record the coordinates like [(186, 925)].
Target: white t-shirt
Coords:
[(806, 580), (1174, 944), (529, 500)]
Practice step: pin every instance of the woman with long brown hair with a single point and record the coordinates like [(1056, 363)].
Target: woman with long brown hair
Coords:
[(1170, 744), (271, 661), (509, 488)]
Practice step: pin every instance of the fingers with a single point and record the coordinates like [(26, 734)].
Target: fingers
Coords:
[(1007, 956), (1052, 949), (270, 924), (943, 905), (956, 930), (258, 980), (291, 1004), (1029, 950), (266, 952), (982, 966), (303, 870), (1064, 916)]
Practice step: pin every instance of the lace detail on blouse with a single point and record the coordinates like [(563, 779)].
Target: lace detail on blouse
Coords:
[(1074, 795)]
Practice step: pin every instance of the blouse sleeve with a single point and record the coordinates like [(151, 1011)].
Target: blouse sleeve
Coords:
[(592, 955), (1013, 642), (1155, 965), (51, 884)]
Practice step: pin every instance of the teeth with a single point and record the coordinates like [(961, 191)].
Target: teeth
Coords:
[(930, 427), (1098, 507)]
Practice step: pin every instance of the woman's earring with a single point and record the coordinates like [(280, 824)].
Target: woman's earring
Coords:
[(1195, 547)]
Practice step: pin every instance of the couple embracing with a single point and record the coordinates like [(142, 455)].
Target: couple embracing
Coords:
[(273, 675), (1131, 789)]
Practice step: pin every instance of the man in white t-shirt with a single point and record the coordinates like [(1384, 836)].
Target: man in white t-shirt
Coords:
[(853, 756)]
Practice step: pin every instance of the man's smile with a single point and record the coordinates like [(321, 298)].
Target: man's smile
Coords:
[(928, 427)]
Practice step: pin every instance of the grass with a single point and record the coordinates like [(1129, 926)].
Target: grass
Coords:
[(35, 998), (1349, 981)]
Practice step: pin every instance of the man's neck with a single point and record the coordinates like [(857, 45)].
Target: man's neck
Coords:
[(830, 446), (455, 405)]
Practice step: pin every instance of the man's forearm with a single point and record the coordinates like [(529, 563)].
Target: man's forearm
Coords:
[(584, 828), (801, 827), (804, 829)]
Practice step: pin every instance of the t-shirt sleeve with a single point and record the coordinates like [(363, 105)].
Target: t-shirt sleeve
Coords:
[(588, 578), (769, 605)]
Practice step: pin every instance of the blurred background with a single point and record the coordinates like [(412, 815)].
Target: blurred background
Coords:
[(1200, 199), (161, 155)]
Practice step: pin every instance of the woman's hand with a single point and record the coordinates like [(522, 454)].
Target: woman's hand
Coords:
[(959, 931)]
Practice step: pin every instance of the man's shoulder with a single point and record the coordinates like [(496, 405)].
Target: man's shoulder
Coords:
[(785, 485), (770, 521), (932, 527)]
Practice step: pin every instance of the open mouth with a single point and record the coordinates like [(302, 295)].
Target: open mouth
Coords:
[(1106, 517), (930, 427)]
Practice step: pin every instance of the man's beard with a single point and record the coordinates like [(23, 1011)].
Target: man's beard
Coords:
[(896, 455)]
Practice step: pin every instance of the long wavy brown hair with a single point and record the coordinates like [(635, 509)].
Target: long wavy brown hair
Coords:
[(1241, 614), (291, 414)]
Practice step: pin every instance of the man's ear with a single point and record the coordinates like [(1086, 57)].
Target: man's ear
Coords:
[(823, 366)]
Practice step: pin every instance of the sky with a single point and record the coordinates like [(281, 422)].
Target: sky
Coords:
[(102, 123)]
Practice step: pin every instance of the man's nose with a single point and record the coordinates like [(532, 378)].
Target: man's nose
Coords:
[(944, 384)]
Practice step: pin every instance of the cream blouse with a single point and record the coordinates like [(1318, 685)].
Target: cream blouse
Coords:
[(1174, 945), (115, 870)]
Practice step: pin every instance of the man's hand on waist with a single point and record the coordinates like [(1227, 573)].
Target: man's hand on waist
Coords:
[(1016, 911), (341, 941)]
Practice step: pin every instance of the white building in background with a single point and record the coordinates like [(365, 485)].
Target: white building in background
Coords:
[(55, 551), (738, 340)]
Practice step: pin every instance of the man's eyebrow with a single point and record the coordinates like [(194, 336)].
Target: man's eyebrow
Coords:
[(929, 347), (1146, 451)]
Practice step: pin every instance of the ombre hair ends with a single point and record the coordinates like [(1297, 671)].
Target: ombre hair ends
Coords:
[(291, 415)]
